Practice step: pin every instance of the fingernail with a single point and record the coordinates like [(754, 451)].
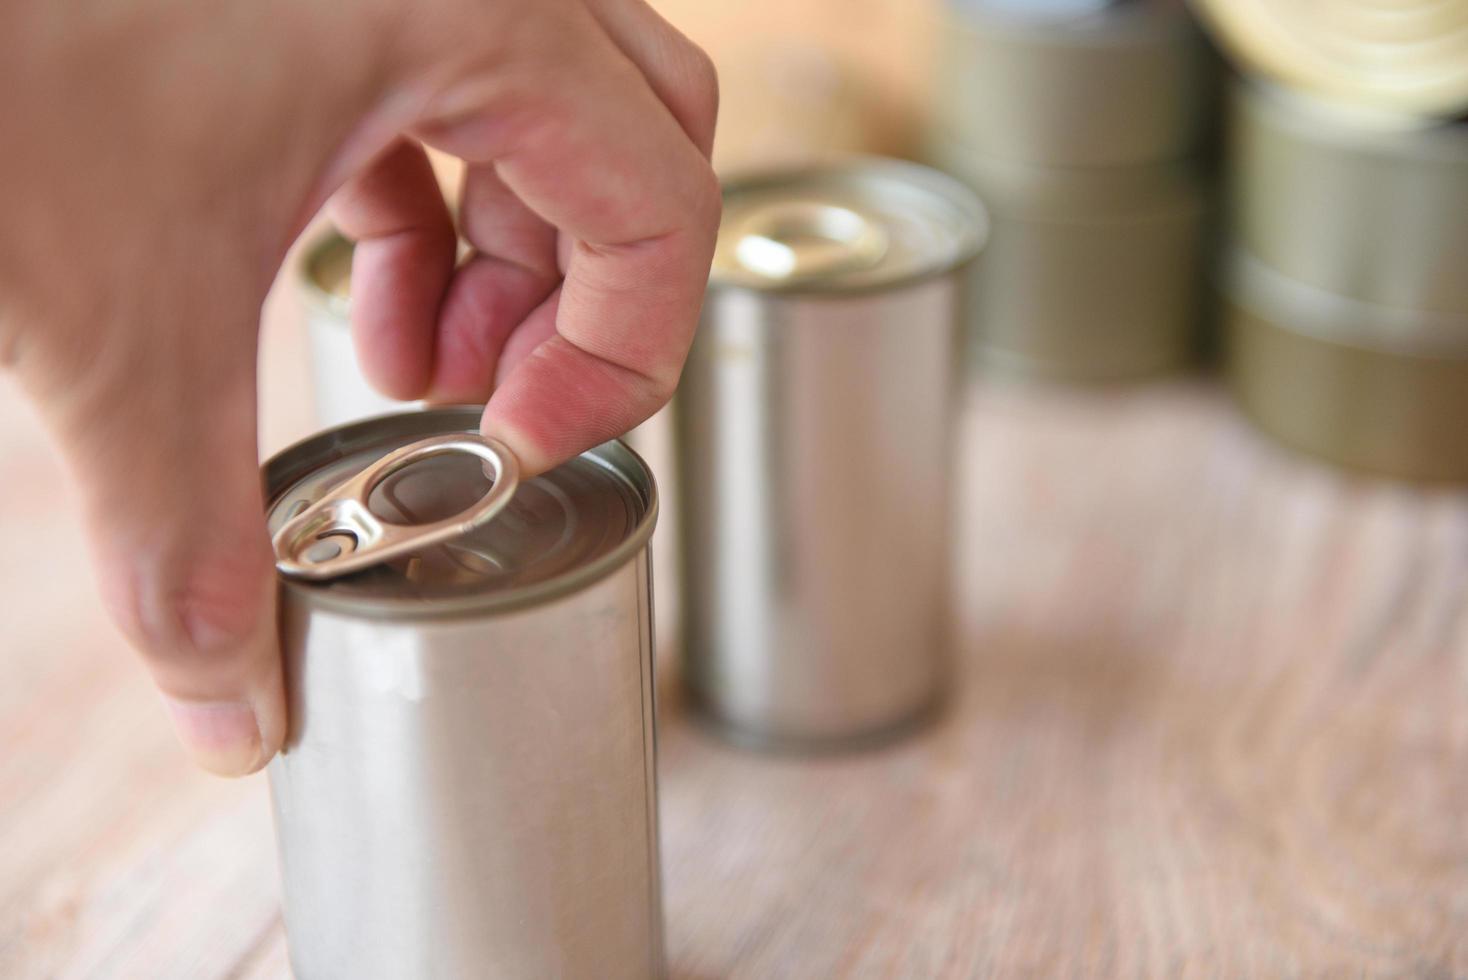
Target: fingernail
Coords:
[(222, 736)]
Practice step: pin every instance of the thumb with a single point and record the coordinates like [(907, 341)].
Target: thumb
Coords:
[(160, 432)]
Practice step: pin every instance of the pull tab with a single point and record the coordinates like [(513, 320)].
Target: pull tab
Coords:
[(803, 240), (339, 534)]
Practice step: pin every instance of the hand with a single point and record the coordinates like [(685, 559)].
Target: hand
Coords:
[(162, 156)]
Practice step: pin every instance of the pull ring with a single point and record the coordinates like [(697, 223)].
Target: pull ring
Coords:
[(339, 534)]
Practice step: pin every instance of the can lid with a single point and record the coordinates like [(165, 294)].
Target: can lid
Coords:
[(1407, 56), (851, 226), (557, 533)]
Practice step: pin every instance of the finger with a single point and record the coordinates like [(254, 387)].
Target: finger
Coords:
[(401, 266), (599, 156), (511, 273), (678, 70), (170, 482)]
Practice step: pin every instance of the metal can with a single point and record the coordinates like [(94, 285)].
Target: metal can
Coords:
[(1371, 387), (1406, 56), (812, 429), (468, 786), (339, 390), (1074, 83), (1090, 275), (1367, 207)]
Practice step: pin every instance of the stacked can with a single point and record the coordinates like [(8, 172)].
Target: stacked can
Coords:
[(1345, 303), (469, 783), (322, 280), (1081, 124), (814, 456)]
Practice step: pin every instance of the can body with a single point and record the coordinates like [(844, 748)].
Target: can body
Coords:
[(472, 794), (1074, 84), (814, 467), (1374, 213), (339, 390), (1090, 275), (1369, 387)]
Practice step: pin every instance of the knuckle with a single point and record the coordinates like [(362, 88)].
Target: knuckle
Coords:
[(703, 82), (208, 608)]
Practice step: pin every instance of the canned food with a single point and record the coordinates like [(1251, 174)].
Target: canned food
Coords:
[(1370, 387), (1074, 83), (1090, 275), (1371, 209), (340, 391), (1408, 56), (469, 781), (814, 456)]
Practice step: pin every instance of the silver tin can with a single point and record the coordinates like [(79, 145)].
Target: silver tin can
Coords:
[(1370, 208), (1074, 83), (468, 787), (1370, 387), (340, 392), (1090, 275), (813, 426)]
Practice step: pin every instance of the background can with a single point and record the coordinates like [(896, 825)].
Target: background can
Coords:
[(813, 448), (469, 782), (1090, 275), (1369, 387), (1074, 83), (340, 392), (1369, 207)]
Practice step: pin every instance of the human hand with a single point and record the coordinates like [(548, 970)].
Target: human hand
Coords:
[(162, 156)]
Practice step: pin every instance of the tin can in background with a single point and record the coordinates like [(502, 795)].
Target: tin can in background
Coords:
[(1074, 83), (339, 390), (1371, 387), (1089, 275), (813, 425), (469, 782), (1369, 206)]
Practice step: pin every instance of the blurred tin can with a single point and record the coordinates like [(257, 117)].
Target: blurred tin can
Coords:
[(1368, 207), (1089, 275), (468, 787), (1375, 388), (1406, 56), (340, 392), (1074, 83), (813, 425)]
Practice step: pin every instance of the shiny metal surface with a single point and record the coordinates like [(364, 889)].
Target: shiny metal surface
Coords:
[(814, 464), (356, 538), (1074, 84), (1373, 388), (1089, 275), (1371, 209), (468, 788), (339, 390)]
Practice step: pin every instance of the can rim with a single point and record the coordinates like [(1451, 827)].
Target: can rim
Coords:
[(926, 178), (1309, 120), (1118, 26), (1310, 311), (284, 468)]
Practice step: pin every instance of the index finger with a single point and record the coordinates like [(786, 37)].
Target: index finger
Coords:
[(598, 155)]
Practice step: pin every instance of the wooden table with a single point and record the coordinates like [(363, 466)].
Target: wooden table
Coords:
[(1210, 718)]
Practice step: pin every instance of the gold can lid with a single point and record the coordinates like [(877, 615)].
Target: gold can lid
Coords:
[(1408, 56), (845, 227)]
